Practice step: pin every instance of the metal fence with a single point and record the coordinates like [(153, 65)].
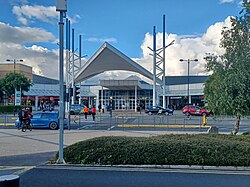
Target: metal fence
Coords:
[(6, 119), (135, 120)]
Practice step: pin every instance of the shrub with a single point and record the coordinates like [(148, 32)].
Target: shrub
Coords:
[(212, 150)]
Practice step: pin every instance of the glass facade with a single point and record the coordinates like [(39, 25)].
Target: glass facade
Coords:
[(125, 99)]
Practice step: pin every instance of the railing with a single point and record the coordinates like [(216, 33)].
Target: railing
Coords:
[(127, 121), (136, 120), (7, 119)]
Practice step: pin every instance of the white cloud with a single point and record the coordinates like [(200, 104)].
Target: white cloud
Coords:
[(20, 35), (45, 61), (26, 13), (41, 60), (185, 48), (12, 46), (226, 1), (102, 40)]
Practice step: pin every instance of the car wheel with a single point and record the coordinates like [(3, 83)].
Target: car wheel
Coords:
[(149, 113), (72, 113), (187, 113), (53, 125)]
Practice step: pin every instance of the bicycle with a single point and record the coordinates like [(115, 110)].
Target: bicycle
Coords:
[(25, 125)]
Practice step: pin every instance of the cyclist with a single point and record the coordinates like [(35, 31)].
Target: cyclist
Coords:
[(26, 117)]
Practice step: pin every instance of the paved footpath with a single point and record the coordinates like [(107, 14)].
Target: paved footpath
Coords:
[(15, 142), (22, 151)]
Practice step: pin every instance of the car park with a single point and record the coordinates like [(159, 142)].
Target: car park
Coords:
[(195, 110), (44, 120), (158, 110)]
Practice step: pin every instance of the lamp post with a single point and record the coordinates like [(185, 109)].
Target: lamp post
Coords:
[(14, 68), (188, 62), (61, 6)]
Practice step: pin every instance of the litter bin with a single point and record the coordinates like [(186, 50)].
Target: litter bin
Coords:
[(9, 181)]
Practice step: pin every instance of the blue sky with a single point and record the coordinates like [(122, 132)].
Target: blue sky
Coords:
[(29, 28)]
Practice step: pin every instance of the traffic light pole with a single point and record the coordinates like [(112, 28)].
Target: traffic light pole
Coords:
[(73, 69), (62, 7)]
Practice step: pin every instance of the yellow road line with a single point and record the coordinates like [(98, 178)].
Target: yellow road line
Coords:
[(7, 124), (162, 126)]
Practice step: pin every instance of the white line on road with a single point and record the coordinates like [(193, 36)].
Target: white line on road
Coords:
[(111, 128)]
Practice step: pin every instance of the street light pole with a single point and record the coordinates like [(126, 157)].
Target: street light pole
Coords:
[(14, 67), (188, 82), (188, 62), (61, 6)]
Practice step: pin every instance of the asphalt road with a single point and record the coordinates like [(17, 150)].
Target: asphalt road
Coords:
[(68, 176), (121, 118)]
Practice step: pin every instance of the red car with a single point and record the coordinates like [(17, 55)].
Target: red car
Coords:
[(195, 110)]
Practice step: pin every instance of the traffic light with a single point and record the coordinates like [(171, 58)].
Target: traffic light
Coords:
[(77, 92), (67, 94)]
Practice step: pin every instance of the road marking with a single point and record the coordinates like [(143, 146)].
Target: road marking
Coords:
[(111, 128), (163, 126), (20, 169), (84, 127), (7, 124), (151, 169)]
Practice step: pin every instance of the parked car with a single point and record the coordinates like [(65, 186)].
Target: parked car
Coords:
[(158, 110), (195, 110), (44, 120), (75, 109)]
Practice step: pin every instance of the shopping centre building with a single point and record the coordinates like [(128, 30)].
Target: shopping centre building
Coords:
[(131, 92), (120, 94)]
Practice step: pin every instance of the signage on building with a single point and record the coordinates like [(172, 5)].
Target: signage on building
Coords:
[(178, 97), (18, 98)]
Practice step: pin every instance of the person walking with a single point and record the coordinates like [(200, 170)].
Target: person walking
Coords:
[(93, 111), (99, 107), (86, 111)]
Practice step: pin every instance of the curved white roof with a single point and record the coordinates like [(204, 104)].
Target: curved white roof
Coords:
[(108, 58)]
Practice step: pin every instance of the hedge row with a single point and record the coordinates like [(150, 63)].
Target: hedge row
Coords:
[(210, 150), (11, 108)]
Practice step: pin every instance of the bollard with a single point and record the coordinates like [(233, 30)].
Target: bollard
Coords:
[(9, 181), (204, 120)]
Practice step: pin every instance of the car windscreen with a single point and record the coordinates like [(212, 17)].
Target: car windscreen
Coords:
[(49, 115)]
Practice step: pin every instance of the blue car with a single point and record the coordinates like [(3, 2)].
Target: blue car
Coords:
[(44, 120)]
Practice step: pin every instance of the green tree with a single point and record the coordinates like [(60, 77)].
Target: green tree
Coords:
[(1, 90), (14, 80), (227, 90)]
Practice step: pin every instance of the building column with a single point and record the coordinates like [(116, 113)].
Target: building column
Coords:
[(168, 101), (36, 102), (135, 98), (102, 99)]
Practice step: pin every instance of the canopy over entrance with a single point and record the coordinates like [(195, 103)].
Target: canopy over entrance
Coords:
[(108, 58)]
